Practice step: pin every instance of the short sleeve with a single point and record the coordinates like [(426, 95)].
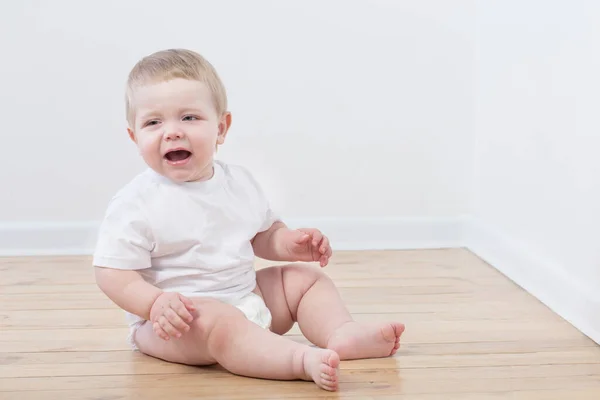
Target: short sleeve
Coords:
[(270, 217), (124, 238)]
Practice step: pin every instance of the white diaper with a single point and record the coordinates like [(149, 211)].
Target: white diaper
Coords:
[(252, 305), (255, 309)]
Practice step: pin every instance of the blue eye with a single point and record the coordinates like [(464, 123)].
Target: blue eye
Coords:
[(186, 118)]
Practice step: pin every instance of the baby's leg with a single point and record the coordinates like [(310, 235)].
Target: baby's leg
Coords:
[(305, 294), (221, 334)]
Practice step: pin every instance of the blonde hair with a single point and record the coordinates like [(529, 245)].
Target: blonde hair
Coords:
[(169, 64)]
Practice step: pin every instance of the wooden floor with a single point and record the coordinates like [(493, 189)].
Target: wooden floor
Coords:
[(471, 334)]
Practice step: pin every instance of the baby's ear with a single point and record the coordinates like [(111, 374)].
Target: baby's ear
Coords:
[(224, 125), (131, 135)]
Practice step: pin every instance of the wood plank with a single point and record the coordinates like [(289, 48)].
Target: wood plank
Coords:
[(435, 351), (18, 284), (122, 363), (214, 376), (233, 387), (585, 394), (453, 265), (115, 318), (482, 308), (48, 288), (424, 332), (354, 296)]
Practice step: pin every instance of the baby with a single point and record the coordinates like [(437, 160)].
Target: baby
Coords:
[(177, 244)]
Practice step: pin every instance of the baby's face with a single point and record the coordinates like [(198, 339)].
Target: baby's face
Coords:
[(177, 127)]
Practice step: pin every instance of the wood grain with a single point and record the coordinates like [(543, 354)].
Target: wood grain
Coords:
[(471, 334)]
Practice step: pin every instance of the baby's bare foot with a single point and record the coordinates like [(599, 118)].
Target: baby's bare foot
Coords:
[(354, 340), (322, 366)]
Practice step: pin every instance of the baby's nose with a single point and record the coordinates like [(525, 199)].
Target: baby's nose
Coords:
[(173, 135)]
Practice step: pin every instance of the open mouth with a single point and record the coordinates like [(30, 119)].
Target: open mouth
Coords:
[(177, 156)]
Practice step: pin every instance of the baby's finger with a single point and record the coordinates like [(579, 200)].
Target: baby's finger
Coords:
[(316, 238), (189, 304), (159, 331), (324, 260), (167, 327), (176, 321), (324, 245), (180, 309)]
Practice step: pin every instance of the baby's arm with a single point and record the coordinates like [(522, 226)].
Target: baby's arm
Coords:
[(276, 242), (279, 243), (169, 312), (268, 246), (124, 247), (128, 290)]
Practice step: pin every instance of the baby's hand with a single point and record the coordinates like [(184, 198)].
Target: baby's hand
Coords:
[(308, 244), (170, 315)]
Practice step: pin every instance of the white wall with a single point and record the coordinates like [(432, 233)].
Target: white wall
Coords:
[(342, 108), (536, 186)]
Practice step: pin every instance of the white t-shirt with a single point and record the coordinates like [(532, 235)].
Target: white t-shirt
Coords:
[(192, 237)]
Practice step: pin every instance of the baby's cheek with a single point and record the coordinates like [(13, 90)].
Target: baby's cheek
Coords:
[(148, 146)]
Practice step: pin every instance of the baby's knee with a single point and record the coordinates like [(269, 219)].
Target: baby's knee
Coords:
[(218, 327), (298, 279), (211, 314), (304, 273)]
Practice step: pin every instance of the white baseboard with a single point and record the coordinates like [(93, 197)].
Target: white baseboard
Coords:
[(540, 277), (387, 233), (25, 239), (47, 238)]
